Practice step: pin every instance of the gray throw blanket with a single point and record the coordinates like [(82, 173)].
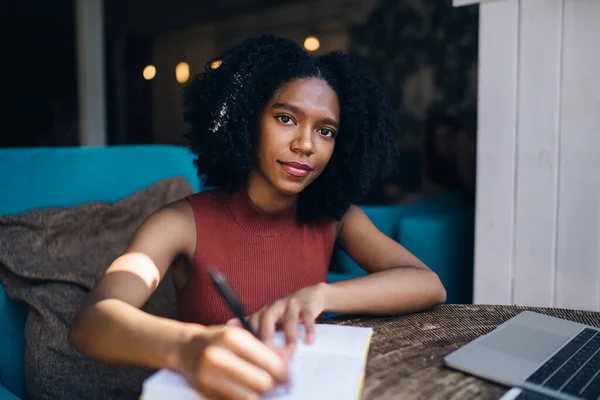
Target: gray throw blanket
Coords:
[(50, 258)]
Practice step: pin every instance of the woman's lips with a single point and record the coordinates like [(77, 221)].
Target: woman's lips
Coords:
[(299, 170)]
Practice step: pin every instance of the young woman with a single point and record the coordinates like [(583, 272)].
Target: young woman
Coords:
[(291, 142)]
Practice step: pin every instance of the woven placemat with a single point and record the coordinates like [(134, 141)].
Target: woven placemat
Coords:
[(406, 355)]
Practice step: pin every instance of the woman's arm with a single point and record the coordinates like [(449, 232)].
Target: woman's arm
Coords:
[(111, 327), (398, 282)]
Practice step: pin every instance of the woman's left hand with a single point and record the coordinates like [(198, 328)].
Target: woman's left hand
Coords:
[(303, 306)]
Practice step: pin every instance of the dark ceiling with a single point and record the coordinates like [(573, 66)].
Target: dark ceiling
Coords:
[(145, 17)]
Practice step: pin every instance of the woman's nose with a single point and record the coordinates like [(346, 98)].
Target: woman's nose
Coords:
[(304, 142)]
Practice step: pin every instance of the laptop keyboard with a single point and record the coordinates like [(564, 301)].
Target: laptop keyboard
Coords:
[(575, 368), (528, 395)]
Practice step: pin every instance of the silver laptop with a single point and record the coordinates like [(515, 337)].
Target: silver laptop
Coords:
[(548, 355)]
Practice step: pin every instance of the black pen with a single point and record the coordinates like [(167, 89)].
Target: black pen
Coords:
[(226, 292)]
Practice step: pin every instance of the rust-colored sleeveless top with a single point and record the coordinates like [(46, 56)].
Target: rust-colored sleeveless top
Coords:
[(263, 256)]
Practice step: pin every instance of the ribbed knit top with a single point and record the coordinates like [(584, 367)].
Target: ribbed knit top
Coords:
[(263, 256)]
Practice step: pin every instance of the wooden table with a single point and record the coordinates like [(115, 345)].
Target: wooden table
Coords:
[(406, 355)]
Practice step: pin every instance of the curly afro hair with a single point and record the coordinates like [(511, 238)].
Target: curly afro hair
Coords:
[(222, 107)]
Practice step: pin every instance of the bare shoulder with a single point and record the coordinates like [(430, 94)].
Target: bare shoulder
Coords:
[(179, 210), (171, 229), (134, 275), (350, 215), (177, 214), (352, 211), (354, 215)]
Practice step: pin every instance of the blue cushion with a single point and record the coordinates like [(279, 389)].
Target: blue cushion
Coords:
[(444, 241), (12, 321), (5, 394), (386, 219), (67, 176)]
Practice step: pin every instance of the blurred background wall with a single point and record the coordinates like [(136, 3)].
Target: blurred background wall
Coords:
[(424, 52)]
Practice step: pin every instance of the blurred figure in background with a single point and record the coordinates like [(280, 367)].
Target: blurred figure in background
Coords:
[(449, 162)]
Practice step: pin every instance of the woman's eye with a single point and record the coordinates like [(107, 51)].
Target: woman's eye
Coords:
[(327, 132), (284, 119)]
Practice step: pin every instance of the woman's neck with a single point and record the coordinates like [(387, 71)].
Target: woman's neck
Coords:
[(265, 197)]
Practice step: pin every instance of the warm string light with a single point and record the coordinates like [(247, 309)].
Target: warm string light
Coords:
[(311, 43), (149, 72), (182, 72)]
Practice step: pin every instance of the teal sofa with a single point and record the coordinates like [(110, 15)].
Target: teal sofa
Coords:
[(437, 230)]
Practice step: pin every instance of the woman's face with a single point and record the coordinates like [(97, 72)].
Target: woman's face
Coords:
[(297, 134)]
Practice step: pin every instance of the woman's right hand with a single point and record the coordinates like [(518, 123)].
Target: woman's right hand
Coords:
[(231, 363)]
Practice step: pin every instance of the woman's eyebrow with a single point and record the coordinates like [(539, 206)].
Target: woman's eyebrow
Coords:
[(331, 122), (289, 107), (298, 110)]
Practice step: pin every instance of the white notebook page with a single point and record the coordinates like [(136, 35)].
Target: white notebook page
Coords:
[(332, 367)]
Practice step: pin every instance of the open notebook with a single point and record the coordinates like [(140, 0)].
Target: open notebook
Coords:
[(332, 367)]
